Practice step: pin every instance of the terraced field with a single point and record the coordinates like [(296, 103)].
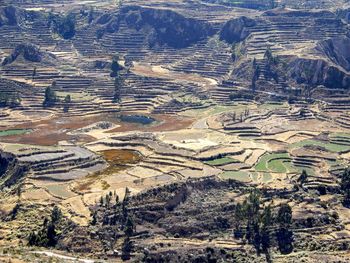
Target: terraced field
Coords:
[(186, 105)]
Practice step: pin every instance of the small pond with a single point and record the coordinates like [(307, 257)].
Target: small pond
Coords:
[(140, 119)]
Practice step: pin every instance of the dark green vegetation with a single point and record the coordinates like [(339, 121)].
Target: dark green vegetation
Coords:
[(50, 99), (345, 187), (66, 103), (117, 72), (47, 236), (62, 25)]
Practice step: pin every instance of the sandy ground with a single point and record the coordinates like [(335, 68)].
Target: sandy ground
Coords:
[(160, 72)]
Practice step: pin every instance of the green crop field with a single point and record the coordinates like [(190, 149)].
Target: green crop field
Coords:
[(272, 162), (14, 132), (331, 147), (236, 175)]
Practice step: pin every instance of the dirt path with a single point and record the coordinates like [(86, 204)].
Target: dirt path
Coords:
[(55, 255)]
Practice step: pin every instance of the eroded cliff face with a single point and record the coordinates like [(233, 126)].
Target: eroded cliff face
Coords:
[(10, 170), (317, 72), (236, 30), (337, 50), (8, 16)]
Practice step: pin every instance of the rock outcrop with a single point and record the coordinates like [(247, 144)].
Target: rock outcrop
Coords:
[(337, 50), (236, 30), (30, 53), (10, 170), (8, 16), (317, 72), (162, 27)]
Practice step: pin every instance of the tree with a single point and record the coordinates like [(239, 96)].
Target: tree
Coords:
[(345, 187), (56, 214), (118, 85), (270, 65), (51, 234), (108, 200), (239, 217), (267, 221), (256, 74), (94, 218), (115, 66), (284, 234), (284, 216), (67, 102), (253, 204), (303, 177), (126, 249), (50, 97), (129, 227), (125, 204), (46, 237)]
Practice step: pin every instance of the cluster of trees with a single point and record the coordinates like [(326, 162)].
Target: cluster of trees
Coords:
[(47, 235), (241, 116), (120, 217), (263, 229), (51, 98), (271, 66)]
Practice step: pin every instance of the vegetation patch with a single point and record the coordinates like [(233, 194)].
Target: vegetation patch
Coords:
[(236, 175), (119, 159), (273, 162), (15, 132), (328, 146)]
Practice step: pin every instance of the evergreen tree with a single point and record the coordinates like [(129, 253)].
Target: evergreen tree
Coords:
[(239, 217), (345, 187), (56, 214), (284, 233), (67, 102), (94, 218), (50, 97), (267, 221), (126, 249), (303, 177), (129, 227), (51, 234), (118, 85)]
